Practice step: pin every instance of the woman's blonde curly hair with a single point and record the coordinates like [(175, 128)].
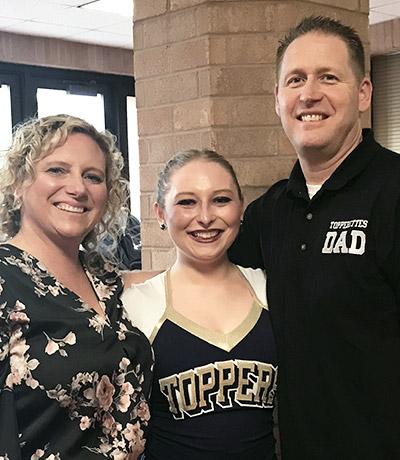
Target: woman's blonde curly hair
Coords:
[(37, 138)]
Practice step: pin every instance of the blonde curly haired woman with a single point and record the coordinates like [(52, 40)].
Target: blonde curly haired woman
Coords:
[(74, 374)]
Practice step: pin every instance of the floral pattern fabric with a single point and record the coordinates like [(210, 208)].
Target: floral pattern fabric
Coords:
[(73, 384)]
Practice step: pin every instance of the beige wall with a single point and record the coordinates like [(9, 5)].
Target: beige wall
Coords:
[(50, 52), (204, 75), (385, 37)]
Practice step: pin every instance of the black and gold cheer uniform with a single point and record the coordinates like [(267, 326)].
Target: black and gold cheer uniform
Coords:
[(213, 393)]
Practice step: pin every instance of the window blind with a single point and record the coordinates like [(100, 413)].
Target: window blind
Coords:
[(386, 100)]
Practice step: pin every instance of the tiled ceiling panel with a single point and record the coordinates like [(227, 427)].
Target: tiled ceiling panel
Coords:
[(63, 19), (383, 10)]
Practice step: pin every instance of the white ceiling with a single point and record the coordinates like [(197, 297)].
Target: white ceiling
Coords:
[(65, 19), (383, 10)]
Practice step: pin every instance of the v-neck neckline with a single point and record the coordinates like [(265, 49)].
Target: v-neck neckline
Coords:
[(42, 267), (225, 341)]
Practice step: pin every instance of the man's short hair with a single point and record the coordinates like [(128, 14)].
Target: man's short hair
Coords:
[(327, 26)]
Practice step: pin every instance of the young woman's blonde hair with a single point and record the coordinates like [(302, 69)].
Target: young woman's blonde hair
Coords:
[(37, 138), (181, 159)]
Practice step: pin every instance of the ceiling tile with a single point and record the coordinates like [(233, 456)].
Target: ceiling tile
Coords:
[(5, 22), (66, 2), (124, 27), (392, 9), (79, 17), (125, 7), (22, 9), (43, 30), (45, 12), (102, 38), (377, 3), (375, 17)]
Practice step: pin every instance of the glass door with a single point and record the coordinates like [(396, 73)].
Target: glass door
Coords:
[(90, 107), (5, 117)]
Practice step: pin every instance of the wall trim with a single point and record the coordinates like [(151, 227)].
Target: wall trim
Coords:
[(63, 54), (384, 37)]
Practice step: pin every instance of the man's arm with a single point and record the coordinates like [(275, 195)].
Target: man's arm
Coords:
[(247, 248), (390, 263)]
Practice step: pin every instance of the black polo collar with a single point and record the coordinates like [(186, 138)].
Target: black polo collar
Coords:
[(356, 162)]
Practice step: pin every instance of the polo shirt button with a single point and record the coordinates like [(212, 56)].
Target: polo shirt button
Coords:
[(309, 216), (303, 246)]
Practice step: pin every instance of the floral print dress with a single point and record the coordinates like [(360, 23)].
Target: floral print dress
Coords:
[(73, 385)]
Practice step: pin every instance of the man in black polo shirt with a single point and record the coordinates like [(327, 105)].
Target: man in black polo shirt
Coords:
[(329, 239)]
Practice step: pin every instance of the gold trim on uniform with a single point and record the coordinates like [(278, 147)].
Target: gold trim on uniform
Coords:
[(224, 341)]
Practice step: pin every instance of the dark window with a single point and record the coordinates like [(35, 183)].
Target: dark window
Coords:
[(29, 84)]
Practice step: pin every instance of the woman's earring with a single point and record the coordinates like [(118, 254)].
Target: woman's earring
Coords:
[(163, 226)]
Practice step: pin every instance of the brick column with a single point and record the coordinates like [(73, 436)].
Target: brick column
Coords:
[(205, 77)]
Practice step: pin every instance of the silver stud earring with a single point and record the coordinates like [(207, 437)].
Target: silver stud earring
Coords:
[(163, 226)]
